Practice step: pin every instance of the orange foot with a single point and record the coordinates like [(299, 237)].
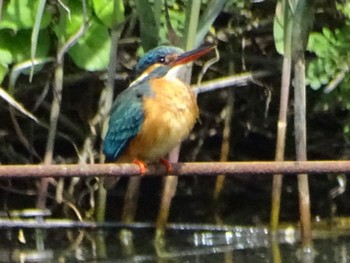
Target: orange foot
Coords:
[(142, 165), (167, 165)]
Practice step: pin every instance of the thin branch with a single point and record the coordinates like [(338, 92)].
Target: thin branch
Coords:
[(179, 169), (74, 38), (235, 80)]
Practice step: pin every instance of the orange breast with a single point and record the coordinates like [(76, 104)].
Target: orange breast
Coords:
[(169, 118)]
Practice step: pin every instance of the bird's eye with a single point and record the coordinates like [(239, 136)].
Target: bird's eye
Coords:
[(162, 60)]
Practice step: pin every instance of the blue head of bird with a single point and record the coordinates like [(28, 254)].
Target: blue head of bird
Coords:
[(168, 60)]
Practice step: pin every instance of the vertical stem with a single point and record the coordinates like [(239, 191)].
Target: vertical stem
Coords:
[(169, 188), (105, 105), (300, 138), (55, 110), (280, 145), (287, 21), (131, 199), (225, 147), (302, 24), (169, 191), (56, 105)]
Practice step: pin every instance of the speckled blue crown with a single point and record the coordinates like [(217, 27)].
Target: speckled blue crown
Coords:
[(155, 55)]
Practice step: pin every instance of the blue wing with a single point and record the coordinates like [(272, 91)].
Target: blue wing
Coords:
[(125, 122)]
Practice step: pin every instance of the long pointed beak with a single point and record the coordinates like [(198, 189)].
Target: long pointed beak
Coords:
[(192, 55)]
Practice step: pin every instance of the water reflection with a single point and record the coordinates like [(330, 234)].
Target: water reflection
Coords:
[(238, 244)]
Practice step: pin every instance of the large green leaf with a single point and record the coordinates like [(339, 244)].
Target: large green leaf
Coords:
[(20, 14), (110, 12), (18, 44), (91, 52), (70, 23), (14, 47), (319, 44), (3, 71), (148, 23), (5, 52), (282, 28), (207, 19), (278, 28)]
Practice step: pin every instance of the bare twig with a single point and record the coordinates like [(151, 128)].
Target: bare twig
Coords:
[(21, 136), (235, 80)]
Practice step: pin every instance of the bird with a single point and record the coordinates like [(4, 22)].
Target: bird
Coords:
[(155, 113)]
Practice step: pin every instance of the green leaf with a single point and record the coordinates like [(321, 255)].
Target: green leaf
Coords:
[(328, 34), (319, 44), (20, 14), (109, 12), (3, 71), (278, 33), (91, 52), (14, 48), (20, 43), (68, 25), (148, 24), (207, 19), (282, 28), (5, 53)]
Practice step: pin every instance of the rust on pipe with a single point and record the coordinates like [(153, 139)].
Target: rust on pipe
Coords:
[(179, 169)]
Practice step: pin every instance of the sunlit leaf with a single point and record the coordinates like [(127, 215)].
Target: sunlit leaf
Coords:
[(5, 53), (278, 33), (14, 47), (282, 27), (20, 14), (69, 24), (3, 71), (318, 44), (91, 52), (207, 18), (110, 12)]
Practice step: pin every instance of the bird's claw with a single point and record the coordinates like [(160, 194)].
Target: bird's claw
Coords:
[(142, 165), (167, 164)]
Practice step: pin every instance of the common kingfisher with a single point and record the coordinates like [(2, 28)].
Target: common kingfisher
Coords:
[(155, 113)]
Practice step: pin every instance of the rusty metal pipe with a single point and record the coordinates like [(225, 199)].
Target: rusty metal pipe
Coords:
[(179, 169)]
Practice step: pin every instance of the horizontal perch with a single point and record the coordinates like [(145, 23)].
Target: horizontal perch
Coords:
[(179, 169)]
